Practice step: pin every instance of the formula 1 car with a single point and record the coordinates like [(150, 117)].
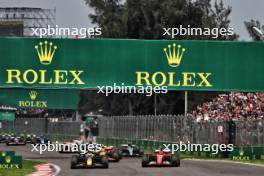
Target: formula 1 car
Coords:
[(16, 141), (4, 137), (30, 138), (40, 140), (68, 146), (161, 158), (129, 150), (113, 153), (89, 160)]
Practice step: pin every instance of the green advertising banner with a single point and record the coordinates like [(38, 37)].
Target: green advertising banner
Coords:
[(47, 99), (88, 63), (9, 153), (247, 153), (8, 160), (7, 116), (242, 153)]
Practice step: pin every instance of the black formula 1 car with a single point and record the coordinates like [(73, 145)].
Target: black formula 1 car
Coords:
[(30, 138), (4, 137), (40, 140), (113, 153), (90, 160), (129, 150), (16, 141), (161, 158)]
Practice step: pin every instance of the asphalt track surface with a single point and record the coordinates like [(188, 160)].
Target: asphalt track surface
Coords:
[(132, 166)]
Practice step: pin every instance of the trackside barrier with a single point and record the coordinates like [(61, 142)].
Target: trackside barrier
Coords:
[(160, 128), (183, 128), (239, 153), (61, 138), (40, 126)]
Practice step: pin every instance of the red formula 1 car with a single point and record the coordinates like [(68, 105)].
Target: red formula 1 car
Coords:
[(161, 158)]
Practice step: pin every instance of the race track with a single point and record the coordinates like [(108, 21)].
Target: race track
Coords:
[(132, 166)]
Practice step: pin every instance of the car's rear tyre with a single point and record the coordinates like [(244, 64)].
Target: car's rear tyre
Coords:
[(104, 161), (116, 157), (145, 161), (175, 161), (74, 161), (141, 153), (120, 154)]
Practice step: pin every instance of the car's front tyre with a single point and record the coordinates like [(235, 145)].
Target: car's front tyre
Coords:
[(104, 161), (175, 161), (74, 161), (145, 161)]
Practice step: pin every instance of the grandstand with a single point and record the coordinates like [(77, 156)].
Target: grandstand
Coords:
[(232, 106), (18, 21)]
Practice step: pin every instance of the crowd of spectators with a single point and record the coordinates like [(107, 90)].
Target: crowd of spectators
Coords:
[(7, 108), (39, 113), (30, 113), (232, 106), (42, 113)]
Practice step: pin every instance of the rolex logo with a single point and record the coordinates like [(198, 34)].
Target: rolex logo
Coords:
[(8, 159), (241, 152), (45, 52), (33, 95), (174, 54)]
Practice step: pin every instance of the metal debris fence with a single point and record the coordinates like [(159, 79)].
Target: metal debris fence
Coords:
[(159, 128), (183, 128)]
